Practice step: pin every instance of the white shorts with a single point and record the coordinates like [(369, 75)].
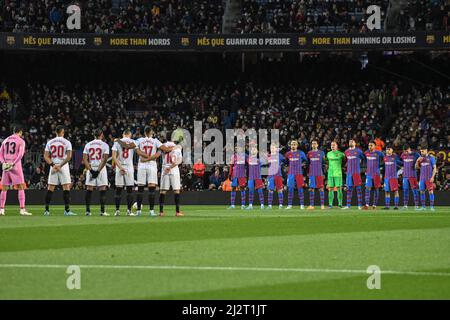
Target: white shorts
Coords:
[(125, 180), (101, 181), (147, 175), (59, 178), (170, 180)]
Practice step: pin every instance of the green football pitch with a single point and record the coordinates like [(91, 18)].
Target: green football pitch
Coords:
[(214, 253)]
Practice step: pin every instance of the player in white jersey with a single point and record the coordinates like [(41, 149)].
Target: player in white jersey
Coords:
[(57, 154), (123, 160), (170, 176), (95, 156), (148, 149)]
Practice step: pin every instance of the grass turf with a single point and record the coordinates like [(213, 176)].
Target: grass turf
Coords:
[(214, 253)]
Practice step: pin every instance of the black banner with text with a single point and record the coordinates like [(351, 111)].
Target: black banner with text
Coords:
[(227, 42)]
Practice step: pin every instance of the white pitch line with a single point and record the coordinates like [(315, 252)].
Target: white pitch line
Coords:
[(211, 268)]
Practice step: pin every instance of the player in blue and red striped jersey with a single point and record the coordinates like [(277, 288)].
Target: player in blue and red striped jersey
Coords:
[(238, 176), (316, 159), (295, 158), (427, 165), (254, 177), (391, 163), (373, 179), (275, 176), (409, 159), (354, 158)]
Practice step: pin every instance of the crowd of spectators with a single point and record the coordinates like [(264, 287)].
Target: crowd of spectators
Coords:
[(205, 16), (271, 16), (339, 112), (114, 16)]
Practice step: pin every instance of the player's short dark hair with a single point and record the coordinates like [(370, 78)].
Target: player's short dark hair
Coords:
[(372, 141), (315, 140), (17, 128), (127, 131), (97, 133), (148, 130), (424, 147), (406, 147), (59, 128)]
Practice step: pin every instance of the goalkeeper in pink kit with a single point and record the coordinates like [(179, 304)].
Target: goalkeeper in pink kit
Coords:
[(11, 154)]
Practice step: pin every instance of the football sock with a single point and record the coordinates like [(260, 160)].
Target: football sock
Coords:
[(422, 199), (396, 200), (405, 197), (21, 196), (322, 197), (339, 193), (311, 198), (139, 197), (177, 201), (3, 199), (431, 199), (367, 196), (151, 197), (129, 197), (387, 200), (290, 196), (270, 198), (261, 196), (162, 197), (250, 197), (118, 197), (243, 197), (88, 198), (300, 196), (359, 195), (233, 197), (280, 197), (376, 196), (349, 196), (330, 196), (416, 197), (48, 199), (102, 200), (66, 196)]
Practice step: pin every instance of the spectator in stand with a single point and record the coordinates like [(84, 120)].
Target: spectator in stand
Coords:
[(199, 171), (379, 144), (216, 180)]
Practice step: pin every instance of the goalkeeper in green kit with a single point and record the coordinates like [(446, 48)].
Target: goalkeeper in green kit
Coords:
[(335, 158)]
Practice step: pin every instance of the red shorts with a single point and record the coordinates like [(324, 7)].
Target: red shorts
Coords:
[(259, 184), (376, 180), (319, 181), (242, 182), (357, 181), (413, 183), (393, 184), (430, 185), (278, 180), (13, 177), (300, 180)]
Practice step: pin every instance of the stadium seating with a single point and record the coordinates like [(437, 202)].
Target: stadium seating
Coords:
[(205, 16)]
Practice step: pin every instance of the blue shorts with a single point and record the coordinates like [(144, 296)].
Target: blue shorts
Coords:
[(271, 183), (292, 181), (369, 181), (406, 184), (387, 187), (349, 180), (251, 184), (422, 185), (234, 182)]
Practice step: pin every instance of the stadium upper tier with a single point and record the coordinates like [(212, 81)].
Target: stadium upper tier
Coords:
[(207, 16)]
